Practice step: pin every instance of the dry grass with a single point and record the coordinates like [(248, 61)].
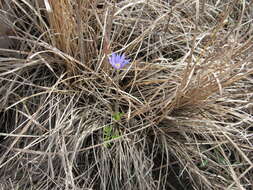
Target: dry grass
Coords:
[(186, 96)]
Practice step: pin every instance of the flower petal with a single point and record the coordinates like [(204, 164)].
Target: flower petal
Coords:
[(118, 61)]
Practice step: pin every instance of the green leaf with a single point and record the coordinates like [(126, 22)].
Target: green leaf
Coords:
[(204, 163), (109, 134), (117, 116), (107, 130)]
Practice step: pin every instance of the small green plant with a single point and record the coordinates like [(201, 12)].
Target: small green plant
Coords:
[(109, 133), (117, 116), (220, 158), (204, 163)]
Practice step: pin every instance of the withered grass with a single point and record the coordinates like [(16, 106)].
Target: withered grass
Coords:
[(187, 96)]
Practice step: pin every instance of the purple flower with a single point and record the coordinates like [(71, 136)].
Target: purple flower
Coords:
[(118, 61)]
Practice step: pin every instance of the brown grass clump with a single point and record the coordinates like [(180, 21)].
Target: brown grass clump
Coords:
[(178, 117)]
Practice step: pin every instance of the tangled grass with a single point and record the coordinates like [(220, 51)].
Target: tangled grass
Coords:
[(179, 117)]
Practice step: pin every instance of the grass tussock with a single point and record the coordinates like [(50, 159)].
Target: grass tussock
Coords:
[(178, 117)]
